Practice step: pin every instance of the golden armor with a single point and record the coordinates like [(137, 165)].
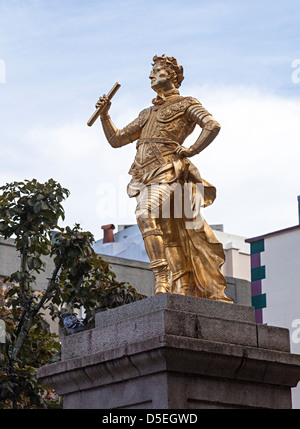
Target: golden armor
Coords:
[(185, 255)]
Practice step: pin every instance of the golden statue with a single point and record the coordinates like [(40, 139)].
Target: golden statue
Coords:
[(185, 255)]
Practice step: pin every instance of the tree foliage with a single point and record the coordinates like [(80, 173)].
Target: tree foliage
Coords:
[(29, 213), (19, 387)]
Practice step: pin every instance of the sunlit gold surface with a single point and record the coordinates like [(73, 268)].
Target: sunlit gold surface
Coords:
[(185, 255), (99, 109)]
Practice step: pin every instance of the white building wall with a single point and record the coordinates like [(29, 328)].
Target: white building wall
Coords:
[(281, 259)]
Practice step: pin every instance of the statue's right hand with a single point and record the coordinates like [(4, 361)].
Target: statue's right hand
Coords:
[(104, 103)]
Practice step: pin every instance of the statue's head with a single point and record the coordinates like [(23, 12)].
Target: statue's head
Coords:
[(166, 69)]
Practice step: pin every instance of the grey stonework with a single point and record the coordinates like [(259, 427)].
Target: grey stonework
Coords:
[(176, 352)]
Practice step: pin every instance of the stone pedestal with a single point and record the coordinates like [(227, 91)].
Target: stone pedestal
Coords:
[(175, 352)]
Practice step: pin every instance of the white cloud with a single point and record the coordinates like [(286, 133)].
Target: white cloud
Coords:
[(254, 162), (80, 158)]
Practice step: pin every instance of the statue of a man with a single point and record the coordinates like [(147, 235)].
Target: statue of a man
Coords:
[(186, 257)]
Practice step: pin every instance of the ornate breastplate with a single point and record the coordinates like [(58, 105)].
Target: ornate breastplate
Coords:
[(163, 128), (166, 122)]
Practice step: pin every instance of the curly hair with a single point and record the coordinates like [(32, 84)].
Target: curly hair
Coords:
[(175, 71)]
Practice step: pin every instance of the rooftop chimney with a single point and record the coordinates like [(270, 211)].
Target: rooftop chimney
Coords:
[(108, 233)]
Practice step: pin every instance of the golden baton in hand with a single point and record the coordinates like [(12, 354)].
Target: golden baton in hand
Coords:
[(97, 113)]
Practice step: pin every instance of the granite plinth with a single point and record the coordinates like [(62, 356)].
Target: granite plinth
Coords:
[(176, 352)]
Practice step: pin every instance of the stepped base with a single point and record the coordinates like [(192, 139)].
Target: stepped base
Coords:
[(175, 352)]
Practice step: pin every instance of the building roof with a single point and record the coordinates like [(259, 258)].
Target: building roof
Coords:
[(128, 243), (270, 234)]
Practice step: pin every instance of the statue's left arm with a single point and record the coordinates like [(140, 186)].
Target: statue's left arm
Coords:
[(210, 129)]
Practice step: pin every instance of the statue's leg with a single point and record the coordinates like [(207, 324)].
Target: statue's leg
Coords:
[(176, 258), (154, 244), (148, 208)]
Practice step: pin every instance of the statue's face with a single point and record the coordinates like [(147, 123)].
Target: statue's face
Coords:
[(160, 79)]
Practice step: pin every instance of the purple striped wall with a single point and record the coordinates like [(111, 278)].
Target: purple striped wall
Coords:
[(256, 286)]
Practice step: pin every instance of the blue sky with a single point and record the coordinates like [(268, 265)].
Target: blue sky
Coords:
[(60, 56)]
